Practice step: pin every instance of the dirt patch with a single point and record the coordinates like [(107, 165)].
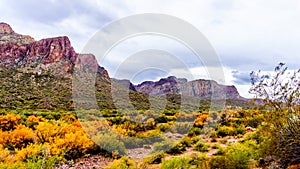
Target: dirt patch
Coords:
[(91, 162)]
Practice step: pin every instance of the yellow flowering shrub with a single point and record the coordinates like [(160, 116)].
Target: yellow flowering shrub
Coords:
[(74, 144), (199, 122), (4, 154), (29, 151), (9, 121), (3, 137), (122, 163), (35, 119), (32, 121), (92, 128), (21, 137), (45, 131)]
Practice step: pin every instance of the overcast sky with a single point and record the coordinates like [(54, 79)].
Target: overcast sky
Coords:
[(247, 35)]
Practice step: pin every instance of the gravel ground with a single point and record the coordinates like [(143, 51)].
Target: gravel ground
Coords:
[(91, 162)]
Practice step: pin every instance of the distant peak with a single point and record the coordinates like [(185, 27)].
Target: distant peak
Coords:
[(5, 28)]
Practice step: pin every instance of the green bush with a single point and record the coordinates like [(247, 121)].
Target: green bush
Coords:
[(217, 162), (181, 128), (110, 143), (236, 156), (122, 163), (225, 131), (186, 141), (154, 159), (195, 131), (202, 147), (199, 161), (133, 142), (176, 163), (239, 130), (163, 126), (169, 147)]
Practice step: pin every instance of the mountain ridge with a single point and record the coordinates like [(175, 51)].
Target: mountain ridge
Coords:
[(55, 55), (56, 58), (200, 88)]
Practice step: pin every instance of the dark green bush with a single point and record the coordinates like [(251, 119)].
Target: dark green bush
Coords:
[(110, 142), (186, 141), (239, 130), (169, 147), (217, 162), (202, 147), (195, 131)]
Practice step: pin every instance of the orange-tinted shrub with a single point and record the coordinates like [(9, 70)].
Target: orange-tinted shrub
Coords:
[(21, 137), (199, 122), (9, 121)]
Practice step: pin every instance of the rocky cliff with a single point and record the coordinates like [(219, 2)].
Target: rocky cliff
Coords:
[(38, 74), (196, 88), (52, 55)]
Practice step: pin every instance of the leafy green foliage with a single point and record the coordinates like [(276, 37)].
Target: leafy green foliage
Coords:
[(110, 143), (176, 162), (201, 146), (281, 96)]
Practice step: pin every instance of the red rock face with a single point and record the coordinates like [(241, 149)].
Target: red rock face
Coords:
[(197, 88), (5, 28), (52, 50), (53, 55), (89, 61)]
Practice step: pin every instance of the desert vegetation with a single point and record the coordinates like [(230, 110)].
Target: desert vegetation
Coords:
[(266, 136)]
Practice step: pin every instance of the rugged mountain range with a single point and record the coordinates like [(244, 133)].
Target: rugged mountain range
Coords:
[(52, 55), (38, 74), (197, 88)]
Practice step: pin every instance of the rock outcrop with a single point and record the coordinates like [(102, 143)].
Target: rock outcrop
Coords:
[(5, 28), (52, 55), (165, 85), (197, 88), (7, 35)]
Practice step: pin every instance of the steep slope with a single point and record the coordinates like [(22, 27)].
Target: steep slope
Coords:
[(52, 55), (38, 74)]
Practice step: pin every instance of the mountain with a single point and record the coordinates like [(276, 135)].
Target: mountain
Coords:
[(200, 88), (52, 55), (40, 75)]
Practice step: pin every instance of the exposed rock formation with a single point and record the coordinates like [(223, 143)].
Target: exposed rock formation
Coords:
[(163, 86), (197, 88), (7, 35), (5, 28), (51, 55)]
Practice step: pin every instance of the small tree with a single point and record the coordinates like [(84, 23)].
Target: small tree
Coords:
[(280, 93)]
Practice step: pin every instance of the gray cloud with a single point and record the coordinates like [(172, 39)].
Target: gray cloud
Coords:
[(151, 64), (241, 78), (149, 74), (53, 11)]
